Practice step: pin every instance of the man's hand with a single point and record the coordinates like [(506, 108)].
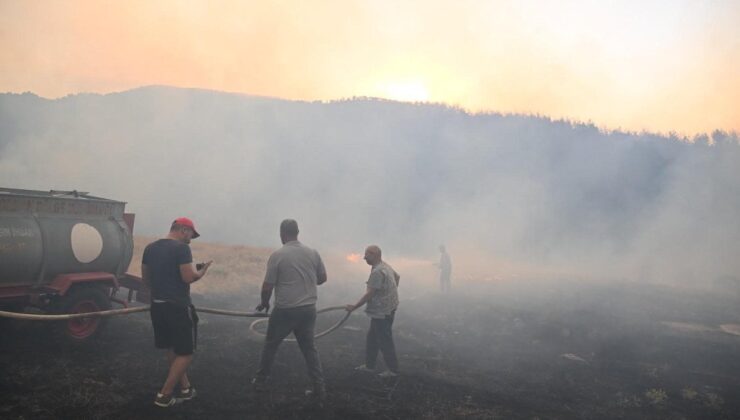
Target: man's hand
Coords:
[(350, 308), (263, 306), (205, 266), (190, 274)]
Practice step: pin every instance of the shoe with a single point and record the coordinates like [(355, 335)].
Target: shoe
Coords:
[(259, 385), (187, 395), (364, 368), (388, 374), (165, 400)]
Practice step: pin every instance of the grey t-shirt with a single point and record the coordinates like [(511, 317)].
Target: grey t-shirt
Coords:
[(385, 299), (294, 270)]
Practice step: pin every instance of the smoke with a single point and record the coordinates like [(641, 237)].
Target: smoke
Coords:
[(509, 195)]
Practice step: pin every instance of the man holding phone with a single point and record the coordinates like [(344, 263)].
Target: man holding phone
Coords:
[(167, 269)]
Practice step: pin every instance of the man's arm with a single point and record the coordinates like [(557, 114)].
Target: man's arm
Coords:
[(320, 272), (271, 278), (363, 300), (190, 275), (265, 296), (321, 279)]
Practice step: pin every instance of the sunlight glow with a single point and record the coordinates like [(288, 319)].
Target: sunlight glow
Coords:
[(637, 65), (407, 91)]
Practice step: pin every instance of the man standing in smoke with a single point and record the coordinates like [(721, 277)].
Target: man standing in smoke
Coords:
[(293, 271), (167, 269), (445, 270), (381, 297)]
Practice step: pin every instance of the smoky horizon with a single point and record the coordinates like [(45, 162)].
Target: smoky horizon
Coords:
[(509, 195)]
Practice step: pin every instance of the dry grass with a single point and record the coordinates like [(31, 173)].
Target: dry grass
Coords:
[(235, 268), (240, 269)]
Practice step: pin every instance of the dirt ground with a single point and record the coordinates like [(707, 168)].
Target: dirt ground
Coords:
[(566, 350)]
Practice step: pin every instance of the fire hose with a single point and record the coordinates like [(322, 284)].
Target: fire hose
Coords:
[(253, 325), (124, 311)]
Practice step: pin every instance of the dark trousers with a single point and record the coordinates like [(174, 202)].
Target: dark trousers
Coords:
[(380, 338), (444, 281), (301, 322)]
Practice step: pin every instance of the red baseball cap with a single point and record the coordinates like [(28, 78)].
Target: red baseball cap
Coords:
[(184, 221)]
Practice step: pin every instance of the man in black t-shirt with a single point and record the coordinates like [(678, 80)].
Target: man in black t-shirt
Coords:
[(167, 269)]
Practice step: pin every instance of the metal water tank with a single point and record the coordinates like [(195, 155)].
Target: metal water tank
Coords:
[(46, 233)]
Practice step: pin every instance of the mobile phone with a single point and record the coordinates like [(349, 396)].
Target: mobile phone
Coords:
[(200, 266)]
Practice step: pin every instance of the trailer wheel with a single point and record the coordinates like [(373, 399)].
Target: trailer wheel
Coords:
[(80, 300)]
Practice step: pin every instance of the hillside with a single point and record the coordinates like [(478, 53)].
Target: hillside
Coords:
[(554, 195)]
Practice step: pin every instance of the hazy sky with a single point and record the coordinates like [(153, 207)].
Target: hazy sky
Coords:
[(660, 65)]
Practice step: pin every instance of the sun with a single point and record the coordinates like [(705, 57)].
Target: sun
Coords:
[(405, 91)]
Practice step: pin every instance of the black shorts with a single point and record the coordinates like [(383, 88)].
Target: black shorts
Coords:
[(175, 327)]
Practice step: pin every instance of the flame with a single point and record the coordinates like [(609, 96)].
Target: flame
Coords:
[(353, 258)]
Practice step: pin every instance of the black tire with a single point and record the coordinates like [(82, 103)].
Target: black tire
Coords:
[(78, 300)]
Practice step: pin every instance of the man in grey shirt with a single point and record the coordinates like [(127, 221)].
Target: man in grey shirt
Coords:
[(381, 297), (293, 272)]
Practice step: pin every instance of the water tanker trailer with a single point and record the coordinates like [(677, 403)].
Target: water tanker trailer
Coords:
[(65, 252)]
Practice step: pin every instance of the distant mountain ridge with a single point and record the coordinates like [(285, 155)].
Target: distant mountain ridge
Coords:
[(405, 176)]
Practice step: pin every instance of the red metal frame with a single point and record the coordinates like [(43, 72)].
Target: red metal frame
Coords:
[(15, 292), (135, 283), (63, 282), (131, 281)]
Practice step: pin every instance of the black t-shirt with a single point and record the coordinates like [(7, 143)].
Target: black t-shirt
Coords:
[(163, 259)]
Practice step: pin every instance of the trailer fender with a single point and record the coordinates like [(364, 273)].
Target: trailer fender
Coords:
[(63, 282)]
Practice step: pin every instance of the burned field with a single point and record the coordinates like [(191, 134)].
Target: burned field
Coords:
[(490, 349), (569, 350)]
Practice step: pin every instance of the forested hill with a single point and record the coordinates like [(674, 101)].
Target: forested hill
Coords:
[(518, 188)]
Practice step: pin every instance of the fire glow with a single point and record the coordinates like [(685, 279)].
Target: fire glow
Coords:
[(354, 258)]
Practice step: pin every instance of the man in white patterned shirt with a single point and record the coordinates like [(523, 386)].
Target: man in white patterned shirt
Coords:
[(381, 297)]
